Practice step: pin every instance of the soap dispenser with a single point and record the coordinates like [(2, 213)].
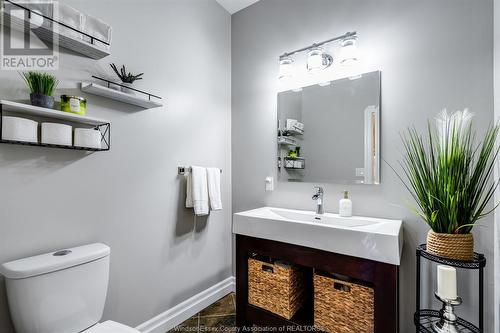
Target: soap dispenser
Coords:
[(345, 205)]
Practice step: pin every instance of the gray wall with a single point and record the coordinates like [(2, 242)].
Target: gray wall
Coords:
[(432, 54), (497, 175), (131, 197)]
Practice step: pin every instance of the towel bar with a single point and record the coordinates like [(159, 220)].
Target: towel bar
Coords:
[(183, 170)]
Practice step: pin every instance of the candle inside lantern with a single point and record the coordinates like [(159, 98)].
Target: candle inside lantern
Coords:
[(447, 282)]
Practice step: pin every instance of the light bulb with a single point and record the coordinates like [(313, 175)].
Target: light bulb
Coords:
[(349, 52), (286, 68), (318, 60)]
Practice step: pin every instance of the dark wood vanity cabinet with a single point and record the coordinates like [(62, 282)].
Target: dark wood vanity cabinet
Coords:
[(381, 276)]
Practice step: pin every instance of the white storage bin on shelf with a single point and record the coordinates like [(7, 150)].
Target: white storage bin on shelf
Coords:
[(70, 17), (87, 138), (97, 29), (57, 26), (44, 8), (57, 134), (19, 129)]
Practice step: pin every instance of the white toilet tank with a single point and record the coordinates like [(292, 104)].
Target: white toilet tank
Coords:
[(58, 292)]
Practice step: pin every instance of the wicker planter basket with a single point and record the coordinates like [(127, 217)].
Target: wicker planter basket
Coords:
[(275, 287), (451, 246), (342, 307)]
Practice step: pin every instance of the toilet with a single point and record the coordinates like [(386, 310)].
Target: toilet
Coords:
[(61, 292)]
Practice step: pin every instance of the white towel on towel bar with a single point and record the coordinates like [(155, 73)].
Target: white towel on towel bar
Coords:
[(199, 190), (213, 176), (189, 190)]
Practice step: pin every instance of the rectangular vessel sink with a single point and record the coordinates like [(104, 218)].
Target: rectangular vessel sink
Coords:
[(363, 237)]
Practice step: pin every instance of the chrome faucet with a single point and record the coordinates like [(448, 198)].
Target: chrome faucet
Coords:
[(319, 199)]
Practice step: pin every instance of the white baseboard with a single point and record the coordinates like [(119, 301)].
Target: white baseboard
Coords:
[(181, 312)]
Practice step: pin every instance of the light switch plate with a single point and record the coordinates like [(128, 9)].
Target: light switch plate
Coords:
[(269, 183)]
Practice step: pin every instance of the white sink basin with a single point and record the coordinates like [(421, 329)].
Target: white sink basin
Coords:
[(363, 237)]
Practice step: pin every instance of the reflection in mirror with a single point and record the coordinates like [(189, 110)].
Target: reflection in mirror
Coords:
[(330, 132)]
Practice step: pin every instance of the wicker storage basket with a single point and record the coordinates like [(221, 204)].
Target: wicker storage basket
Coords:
[(452, 246), (342, 307), (276, 288)]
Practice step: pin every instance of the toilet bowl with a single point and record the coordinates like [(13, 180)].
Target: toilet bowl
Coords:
[(61, 292)]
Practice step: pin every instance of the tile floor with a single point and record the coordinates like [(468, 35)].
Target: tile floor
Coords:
[(218, 317)]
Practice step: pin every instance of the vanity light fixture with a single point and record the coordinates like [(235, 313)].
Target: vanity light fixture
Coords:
[(286, 67), (349, 54), (318, 59)]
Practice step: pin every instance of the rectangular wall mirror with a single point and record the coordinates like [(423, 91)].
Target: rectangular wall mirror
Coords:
[(330, 133)]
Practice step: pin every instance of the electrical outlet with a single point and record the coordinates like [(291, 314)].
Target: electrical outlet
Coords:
[(360, 172)]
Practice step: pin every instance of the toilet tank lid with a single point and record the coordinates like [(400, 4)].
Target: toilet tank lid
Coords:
[(54, 261)]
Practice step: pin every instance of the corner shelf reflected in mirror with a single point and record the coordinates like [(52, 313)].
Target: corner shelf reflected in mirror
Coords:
[(296, 163), (287, 141)]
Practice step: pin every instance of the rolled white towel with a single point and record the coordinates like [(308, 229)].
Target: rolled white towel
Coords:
[(88, 138), (19, 129), (57, 134)]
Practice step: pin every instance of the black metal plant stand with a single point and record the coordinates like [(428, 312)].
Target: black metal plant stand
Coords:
[(424, 318)]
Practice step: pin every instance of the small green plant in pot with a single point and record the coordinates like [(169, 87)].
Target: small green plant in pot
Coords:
[(127, 78), (42, 87), (449, 174)]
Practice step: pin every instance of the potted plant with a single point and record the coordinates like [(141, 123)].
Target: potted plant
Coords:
[(127, 78), (449, 175), (42, 87)]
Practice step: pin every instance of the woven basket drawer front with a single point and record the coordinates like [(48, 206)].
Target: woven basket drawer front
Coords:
[(342, 307), (275, 288)]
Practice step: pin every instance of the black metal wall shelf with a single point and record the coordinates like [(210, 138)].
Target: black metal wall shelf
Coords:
[(144, 99), (33, 144), (15, 108), (424, 318), (96, 49)]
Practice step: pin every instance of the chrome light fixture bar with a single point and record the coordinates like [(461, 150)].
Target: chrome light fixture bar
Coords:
[(347, 35), (317, 58)]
